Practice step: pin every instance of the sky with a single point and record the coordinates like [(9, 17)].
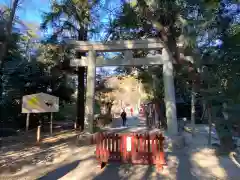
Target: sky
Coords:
[(31, 11)]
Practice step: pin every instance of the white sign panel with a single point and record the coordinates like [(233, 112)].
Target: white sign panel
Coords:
[(40, 103), (129, 143)]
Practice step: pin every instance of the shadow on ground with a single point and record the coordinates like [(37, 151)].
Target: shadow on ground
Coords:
[(119, 171), (60, 172), (179, 169), (65, 169), (14, 158), (197, 162), (181, 166)]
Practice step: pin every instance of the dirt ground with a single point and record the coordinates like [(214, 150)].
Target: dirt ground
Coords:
[(65, 158)]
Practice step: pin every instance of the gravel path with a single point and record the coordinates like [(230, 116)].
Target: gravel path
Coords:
[(78, 163)]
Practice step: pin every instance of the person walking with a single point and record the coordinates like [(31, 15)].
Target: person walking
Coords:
[(124, 117)]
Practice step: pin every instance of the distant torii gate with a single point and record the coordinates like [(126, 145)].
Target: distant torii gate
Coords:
[(126, 46)]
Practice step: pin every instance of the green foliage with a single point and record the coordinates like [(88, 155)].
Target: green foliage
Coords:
[(34, 70), (69, 17)]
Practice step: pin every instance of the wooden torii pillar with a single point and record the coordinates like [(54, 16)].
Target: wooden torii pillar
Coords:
[(126, 46)]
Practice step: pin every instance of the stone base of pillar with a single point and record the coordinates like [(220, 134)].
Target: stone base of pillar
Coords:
[(85, 139), (174, 143)]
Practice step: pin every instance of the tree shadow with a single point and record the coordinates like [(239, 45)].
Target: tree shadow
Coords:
[(14, 159), (206, 163), (56, 171), (109, 171), (60, 172), (234, 171), (184, 167), (181, 165), (201, 162), (120, 171)]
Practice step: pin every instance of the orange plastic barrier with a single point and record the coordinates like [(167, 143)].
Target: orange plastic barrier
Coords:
[(132, 148)]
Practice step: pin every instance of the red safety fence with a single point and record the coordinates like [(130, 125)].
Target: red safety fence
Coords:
[(130, 148), (141, 111)]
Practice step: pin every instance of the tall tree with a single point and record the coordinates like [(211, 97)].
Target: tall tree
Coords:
[(8, 24), (223, 86), (72, 19)]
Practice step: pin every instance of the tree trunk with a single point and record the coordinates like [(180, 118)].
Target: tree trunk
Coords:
[(209, 124), (226, 144), (203, 113), (80, 98), (162, 114), (82, 36), (3, 50), (8, 30), (193, 109), (226, 140)]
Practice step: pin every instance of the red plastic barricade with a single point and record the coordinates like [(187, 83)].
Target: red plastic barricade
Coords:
[(141, 111), (130, 148)]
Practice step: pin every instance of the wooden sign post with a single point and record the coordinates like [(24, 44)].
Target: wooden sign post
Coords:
[(38, 133), (40, 103), (27, 121)]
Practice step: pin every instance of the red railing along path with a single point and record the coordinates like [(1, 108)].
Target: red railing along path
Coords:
[(135, 148)]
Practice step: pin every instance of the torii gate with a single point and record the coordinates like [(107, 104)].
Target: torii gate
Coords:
[(126, 46)]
